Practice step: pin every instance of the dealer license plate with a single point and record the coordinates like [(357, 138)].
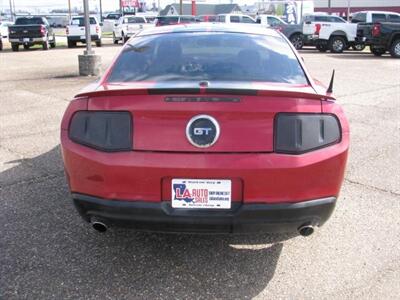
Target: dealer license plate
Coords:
[(83, 37), (26, 40), (201, 193)]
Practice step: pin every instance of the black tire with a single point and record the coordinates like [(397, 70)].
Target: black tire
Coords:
[(377, 51), (395, 49), (321, 48), (71, 44), (297, 40), (1, 45), (115, 41), (45, 45), (358, 47), (98, 43), (337, 44), (15, 47), (53, 43), (26, 47)]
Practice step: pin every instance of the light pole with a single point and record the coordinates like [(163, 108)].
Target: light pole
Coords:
[(11, 11), (69, 9), (101, 11), (89, 63), (181, 7), (87, 27), (348, 10)]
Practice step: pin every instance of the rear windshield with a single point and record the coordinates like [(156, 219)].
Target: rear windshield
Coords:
[(81, 21), (208, 56), (29, 21)]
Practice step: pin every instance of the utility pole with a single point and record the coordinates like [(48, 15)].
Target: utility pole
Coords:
[(87, 27), (69, 9), (11, 11), (181, 7), (89, 63), (329, 7), (101, 11), (348, 10)]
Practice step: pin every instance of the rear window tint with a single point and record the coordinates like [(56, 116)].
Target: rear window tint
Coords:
[(81, 21), (29, 21), (136, 20), (359, 18), (394, 18), (208, 56), (378, 18)]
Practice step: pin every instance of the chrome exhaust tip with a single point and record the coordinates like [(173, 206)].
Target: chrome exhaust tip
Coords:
[(99, 225), (306, 230)]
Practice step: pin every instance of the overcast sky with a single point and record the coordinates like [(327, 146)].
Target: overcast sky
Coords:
[(107, 4)]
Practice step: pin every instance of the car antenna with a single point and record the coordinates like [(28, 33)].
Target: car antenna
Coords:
[(330, 88)]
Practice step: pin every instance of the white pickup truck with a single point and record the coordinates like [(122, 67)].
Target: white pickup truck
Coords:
[(334, 34), (128, 26), (76, 31)]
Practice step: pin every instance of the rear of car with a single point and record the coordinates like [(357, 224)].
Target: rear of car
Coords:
[(29, 31), (380, 37), (76, 32), (205, 128)]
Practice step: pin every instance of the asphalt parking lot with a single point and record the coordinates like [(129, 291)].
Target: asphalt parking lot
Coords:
[(48, 252)]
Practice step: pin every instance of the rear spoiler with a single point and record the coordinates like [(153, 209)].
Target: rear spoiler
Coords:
[(298, 93)]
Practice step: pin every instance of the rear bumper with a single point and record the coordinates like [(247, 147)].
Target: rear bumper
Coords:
[(241, 218), (78, 38), (35, 40)]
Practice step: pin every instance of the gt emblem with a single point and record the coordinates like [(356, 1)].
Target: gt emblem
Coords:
[(201, 131)]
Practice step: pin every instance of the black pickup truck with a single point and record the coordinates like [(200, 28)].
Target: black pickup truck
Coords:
[(381, 37), (29, 31)]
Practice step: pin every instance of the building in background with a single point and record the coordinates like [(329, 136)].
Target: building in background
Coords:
[(291, 11), (339, 7), (201, 9)]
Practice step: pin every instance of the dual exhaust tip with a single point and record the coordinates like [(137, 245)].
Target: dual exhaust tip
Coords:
[(100, 226)]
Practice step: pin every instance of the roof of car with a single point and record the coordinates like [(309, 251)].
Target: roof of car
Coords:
[(376, 12), (211, 27)]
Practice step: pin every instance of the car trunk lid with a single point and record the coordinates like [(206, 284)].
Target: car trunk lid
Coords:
[(245, 116)]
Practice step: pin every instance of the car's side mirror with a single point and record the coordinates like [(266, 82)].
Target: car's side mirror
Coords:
[(101, 23), (308, 22)]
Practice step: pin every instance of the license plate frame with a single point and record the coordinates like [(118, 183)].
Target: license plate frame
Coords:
[(201, 193)]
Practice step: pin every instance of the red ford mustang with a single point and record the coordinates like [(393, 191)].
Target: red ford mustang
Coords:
[(206, 128)]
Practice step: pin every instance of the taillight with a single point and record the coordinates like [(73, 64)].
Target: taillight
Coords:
[(102, 130), (317, 29), (299, 133), (279, 28), (97, 29), (376, 30), (67, 30), (42, 30)]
